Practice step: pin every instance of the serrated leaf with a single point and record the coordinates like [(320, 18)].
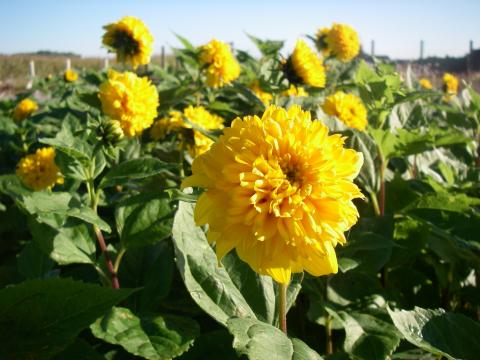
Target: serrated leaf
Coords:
[(132, 170), (257, 340), (39, 318), (452, 335), (153, 337)]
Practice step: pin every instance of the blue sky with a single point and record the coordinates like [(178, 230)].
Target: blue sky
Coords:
[(397, 26)]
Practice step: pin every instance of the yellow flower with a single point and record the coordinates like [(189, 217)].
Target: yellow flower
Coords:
[(70, 75), (279, 190), (304, 66), (450, 84), (341, 41), (348, 108), (321, 41), (295, 91), (265, 97), (166, 125), (200, 117), (38, 171), (130, 39), (130, 99), (221, 66), (425, 83), (24, 109)]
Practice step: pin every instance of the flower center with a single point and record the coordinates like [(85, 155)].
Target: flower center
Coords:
[(124, 42)]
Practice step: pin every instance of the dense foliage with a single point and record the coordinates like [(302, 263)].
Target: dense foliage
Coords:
[(406, 285)]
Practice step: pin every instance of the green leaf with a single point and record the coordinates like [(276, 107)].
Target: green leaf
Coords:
[(368, 337), (32, 262), (39, 318), (73, 243), (451, 335), (213, 345), (444, 201), (223, 292), (144, 219), (185, 42), (267, 47), (153, 337), (132, 170), (257, 340)]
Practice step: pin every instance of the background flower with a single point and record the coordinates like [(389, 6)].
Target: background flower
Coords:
[(38, 171), (222, 67), (348, 108), (24, 109)]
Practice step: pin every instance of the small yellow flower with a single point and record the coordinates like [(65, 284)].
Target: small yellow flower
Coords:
[(279, 190), (130, 39), (340, 41), (295, 91), (221, 66), (450, 84), (166, 125), (425, 83), (305, 67), (38, 171), (200, 117), (24, 109), (265, 97), (70, 75), (130, 99), (348, 108)]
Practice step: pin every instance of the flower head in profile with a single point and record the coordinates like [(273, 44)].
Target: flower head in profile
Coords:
[(279, 190), (130, 39), (340, 41), (348, 108), (425, 83), (38, 171), (450, 84), (265, 97), (70, 75), (221, 66), (295, 91), (305, 67), (24, 109), (131, 100)]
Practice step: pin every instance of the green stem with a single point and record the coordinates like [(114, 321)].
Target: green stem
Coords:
[(118, 259), (282, 303), (328, 334), (376, 208)]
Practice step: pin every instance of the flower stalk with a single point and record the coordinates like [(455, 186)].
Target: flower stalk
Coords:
[(282, 303)]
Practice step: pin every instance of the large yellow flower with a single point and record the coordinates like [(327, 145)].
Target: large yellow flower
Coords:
[(341, 41), (450, 84), (348, 108), (130, 39), (70, 75), (304, 66), (24, 109), (221, 66), (130, 99), (425, 83), (279, 190), (38, 171), (265, 97), (295, 91)]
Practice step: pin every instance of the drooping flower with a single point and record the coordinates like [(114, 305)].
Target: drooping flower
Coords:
[(279, 190), (24, 109), (450, 84), (221, 66), (70, 75), (305, 67), (130, 39), (265, 97), (295, 91), (38, 171), (340, 41), (348, 108), (131, 100), (425, 83)]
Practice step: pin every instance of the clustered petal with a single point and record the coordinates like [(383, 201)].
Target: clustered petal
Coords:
[(340, 41), (38, 171), (450, 84), (425, 83), (265, 97), (221, 66), (279, 190), (295, 91), (130, 99), (24, 109), (130, 39), (348, 108), (70, 75), (307, 65)]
